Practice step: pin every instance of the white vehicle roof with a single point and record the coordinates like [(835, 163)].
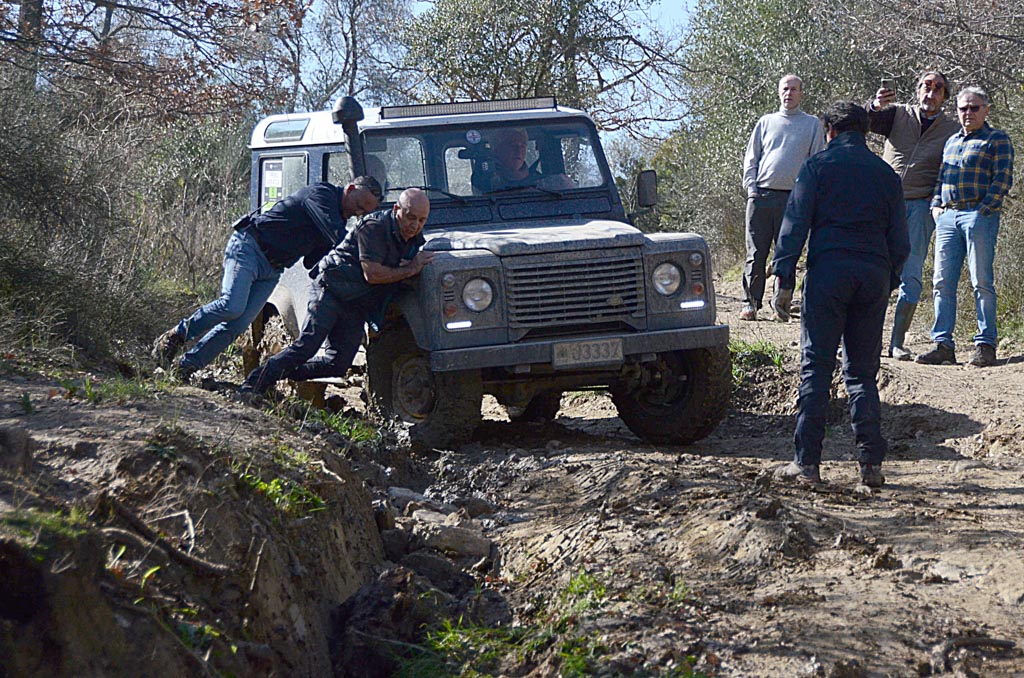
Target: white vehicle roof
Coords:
[(318, 128)]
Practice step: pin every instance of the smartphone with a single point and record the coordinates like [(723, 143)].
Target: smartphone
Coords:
[(889, 83)]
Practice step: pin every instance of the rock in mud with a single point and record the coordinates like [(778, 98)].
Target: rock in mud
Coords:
[(16, 447), (440, 571), (457, 542), (375, 628)]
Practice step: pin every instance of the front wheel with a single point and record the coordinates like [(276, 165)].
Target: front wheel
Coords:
[(678, 398), (443, 408)]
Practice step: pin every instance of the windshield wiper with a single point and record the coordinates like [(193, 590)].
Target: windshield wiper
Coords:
[(509, 189), (453, 196)]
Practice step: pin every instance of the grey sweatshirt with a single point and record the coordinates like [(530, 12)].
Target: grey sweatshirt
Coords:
[(778, 146)]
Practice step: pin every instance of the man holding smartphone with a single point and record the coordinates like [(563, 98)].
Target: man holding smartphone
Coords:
[(914, 138)]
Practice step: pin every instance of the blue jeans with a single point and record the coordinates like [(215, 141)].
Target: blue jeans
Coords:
[(845, 298), (920, 227), (961, 234), (338, 322), (248, 281)]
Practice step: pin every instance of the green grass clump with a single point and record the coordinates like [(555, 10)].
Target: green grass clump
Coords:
[(356, 430), (748, 355)]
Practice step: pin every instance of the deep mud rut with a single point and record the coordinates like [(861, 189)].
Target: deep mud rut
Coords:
[(706, 562), (924, 576)]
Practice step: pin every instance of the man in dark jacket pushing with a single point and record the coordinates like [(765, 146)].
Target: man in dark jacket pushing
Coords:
[(850, 203), (305, 225), (355, 282)]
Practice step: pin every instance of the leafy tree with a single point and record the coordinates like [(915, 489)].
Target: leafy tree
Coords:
[(589, 53)]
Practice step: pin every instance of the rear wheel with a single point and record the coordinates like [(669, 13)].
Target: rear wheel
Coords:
[(678, 398), (443, 408)]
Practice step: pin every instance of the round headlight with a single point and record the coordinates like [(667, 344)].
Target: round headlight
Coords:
[(666, 278), (477, 294)]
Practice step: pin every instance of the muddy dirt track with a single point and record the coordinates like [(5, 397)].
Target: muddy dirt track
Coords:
[(705, 563), (923, 576)]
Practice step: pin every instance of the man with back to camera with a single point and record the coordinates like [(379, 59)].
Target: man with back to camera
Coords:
[(778, 146), (850, 203), (305, 225), (976, 175), (353, 286), (914, 138)]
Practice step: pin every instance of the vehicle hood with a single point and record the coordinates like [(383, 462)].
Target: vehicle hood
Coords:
[(515, 239)]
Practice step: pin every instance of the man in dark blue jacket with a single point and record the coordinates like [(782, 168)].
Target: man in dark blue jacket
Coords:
[(305, 225), (850, 203), (353, 286)]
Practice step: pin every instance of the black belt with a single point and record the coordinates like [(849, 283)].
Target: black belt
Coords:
[(961, 204)]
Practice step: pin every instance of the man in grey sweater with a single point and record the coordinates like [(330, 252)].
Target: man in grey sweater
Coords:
[(778, 146)]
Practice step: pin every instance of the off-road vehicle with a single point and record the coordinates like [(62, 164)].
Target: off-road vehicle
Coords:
[(539, 287)]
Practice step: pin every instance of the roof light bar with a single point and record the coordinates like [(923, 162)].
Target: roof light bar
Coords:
[(464, 107)]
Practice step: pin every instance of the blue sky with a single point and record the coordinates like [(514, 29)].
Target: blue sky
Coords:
[(669, 13)]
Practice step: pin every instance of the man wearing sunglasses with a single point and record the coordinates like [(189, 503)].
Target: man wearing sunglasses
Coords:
[(914, 138), (976, 174)]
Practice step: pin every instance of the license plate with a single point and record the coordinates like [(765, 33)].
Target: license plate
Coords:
[(594, 352)]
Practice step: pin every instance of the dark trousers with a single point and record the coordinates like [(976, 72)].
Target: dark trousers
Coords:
[(764, 218), (844, 298), (338, 322)]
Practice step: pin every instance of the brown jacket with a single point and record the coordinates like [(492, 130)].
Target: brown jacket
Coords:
[(915, 157)]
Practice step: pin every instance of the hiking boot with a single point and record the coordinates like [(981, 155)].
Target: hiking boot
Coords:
[(781, 302), (748, 312), (167, 346), (984, 356), (183, 373), (900, 353), (940, 355), (802, 474), (871, 475)]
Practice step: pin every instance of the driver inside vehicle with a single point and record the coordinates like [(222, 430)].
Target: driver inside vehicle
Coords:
[(511, 170)]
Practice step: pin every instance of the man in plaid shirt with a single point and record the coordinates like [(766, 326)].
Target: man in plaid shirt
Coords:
[(976, 174)]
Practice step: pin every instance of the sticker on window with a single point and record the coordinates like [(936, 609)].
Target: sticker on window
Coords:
[(473, 136), (272, 178)]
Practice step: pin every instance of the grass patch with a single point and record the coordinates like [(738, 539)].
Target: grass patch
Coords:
[(469, 650), (118, 389), (42, 529), (747, 355), (288, 496), (352, 428)]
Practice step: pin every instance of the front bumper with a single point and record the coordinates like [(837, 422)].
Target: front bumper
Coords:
[(533, 352)]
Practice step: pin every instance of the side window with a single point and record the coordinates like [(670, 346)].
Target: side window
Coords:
[(580, 163), (458, 171), (280, 177)]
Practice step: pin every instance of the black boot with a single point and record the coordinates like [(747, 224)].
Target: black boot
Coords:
[(900, 325)]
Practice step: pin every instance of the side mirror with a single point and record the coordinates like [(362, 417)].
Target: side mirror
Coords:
[(647, 188)]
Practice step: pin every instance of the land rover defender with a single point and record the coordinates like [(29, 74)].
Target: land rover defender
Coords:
[(540, 285)]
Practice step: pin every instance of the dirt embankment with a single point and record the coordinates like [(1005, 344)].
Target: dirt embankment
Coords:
[(610, 556)]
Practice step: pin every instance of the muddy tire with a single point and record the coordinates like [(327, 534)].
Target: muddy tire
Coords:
[(443, 408), (543, 407), (680, 398)]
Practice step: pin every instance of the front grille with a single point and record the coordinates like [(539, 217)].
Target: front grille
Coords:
[(544, 292)]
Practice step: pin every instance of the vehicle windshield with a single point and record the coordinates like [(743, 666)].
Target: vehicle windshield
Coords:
[(556, 157)]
